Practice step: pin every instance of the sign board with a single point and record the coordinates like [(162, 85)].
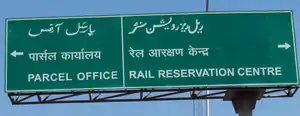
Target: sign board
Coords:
[(215, 49)]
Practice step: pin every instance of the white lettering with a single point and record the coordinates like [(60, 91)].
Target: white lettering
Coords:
[(82, 55), (145, 74), (260, 71), (132, 74), (30, 76), (161, 73), (48, 77), (278, 71), (106, 75), (114, 75), (190, 73), (240, 72)]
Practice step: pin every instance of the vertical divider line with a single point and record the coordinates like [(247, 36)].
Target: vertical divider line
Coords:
[(122, 39)]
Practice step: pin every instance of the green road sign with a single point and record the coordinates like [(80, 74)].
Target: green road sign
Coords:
[(215, 49)]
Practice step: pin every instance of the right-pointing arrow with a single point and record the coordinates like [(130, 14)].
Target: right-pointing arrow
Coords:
[(15, 53), (285, 46)]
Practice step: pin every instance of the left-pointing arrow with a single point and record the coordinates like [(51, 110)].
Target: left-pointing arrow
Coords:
[(15, 53)]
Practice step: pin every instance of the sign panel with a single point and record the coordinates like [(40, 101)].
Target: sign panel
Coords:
[(219, 49)]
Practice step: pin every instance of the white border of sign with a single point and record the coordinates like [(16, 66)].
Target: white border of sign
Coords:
[(158, 87)]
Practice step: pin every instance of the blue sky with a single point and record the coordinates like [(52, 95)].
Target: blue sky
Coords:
[(42, 8)]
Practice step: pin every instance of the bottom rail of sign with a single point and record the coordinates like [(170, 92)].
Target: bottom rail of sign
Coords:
[(93, 96)]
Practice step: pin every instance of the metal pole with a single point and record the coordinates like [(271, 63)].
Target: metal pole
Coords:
[(207, 104), (207, 5), (207, 91), (201, 112)]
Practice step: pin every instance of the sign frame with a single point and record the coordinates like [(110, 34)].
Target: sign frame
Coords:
[(157, 14)]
